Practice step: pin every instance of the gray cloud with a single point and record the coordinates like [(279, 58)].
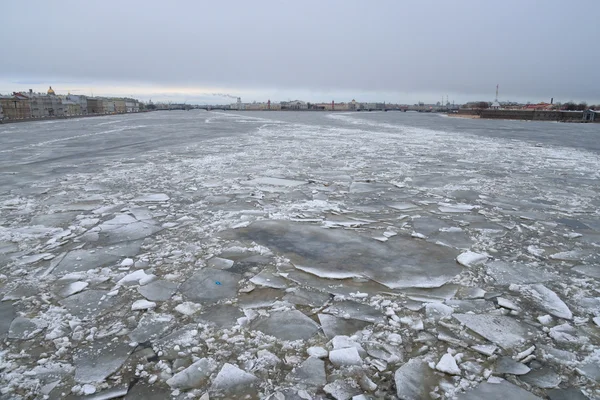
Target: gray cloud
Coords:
[(533, 49)]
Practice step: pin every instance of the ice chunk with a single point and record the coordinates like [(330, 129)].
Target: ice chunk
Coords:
[(497, 391), (506, 365), (589, 270), (150, 326), (274, 182), (72, 288), (90, 303), (566, 394), (286, 325), (351, 309), (447, 364), (546, 299), (502, 330), (7, 314), (506, 273), (95, 362), (543, 378), (152, 198), (317, 352), (342, 389), (158, 290), (194, 376), (232, 379), (345, 356), (333, 326), (414, 380), (268, 279), (142, 305), (220, 263), (311, 373), (134, 278), (188, 308), (590, 367), (485, 349), (565, 333), (210, 285), (25, 328), (340, 254), (438, 310), (223, 316), (502, 302), (470, 259)]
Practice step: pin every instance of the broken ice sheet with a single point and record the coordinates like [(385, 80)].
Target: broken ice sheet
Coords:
[(232, 379), (158, 290), (414, 380), (90, 303), (339, 254), (497, 391), (546, 299), (99, 359), (286, 325), (83, 260), (506, 273), (194, 376), (334, 326), (210, 285), (353, 310), (150, 326), (504, 331), (309, 374), (223, 316)]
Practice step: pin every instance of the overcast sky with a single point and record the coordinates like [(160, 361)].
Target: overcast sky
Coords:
[(395, 51)]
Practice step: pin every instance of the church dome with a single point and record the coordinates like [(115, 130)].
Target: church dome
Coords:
[(51, 91)]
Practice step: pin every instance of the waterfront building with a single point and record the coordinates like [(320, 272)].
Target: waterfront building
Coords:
[(131, 106), (108, 106), (16, 106), (45, 105), (120, 106), (81, 100), (294, 105), (1, 113), (95, 105), (71, 108)]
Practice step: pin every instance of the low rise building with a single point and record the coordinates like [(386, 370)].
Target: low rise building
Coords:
[(46, 105), (132, 106), (16, 106), (120, 106), (95, 105), (294, 105), (1, 113), (81, 100), (108, 106), (71, 108)]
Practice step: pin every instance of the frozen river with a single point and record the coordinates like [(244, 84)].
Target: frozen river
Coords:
[(299, 256)]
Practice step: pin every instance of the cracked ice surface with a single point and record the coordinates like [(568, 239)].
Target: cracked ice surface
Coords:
[(299, 255)]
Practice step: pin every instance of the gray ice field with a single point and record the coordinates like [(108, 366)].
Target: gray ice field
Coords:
[(186, 255)]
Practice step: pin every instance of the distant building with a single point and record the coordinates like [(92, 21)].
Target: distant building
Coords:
[(95, 105), (294, 105), (1, 113), (495, 105), (120, 106), (81, 100), (71, 108), (46, 105), (16, 106), (108, 106), (131, 106)]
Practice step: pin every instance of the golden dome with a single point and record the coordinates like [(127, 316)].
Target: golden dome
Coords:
[(50, 91)]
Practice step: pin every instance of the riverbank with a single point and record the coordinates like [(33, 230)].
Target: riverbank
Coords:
[(467, 116), (11, 121)]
